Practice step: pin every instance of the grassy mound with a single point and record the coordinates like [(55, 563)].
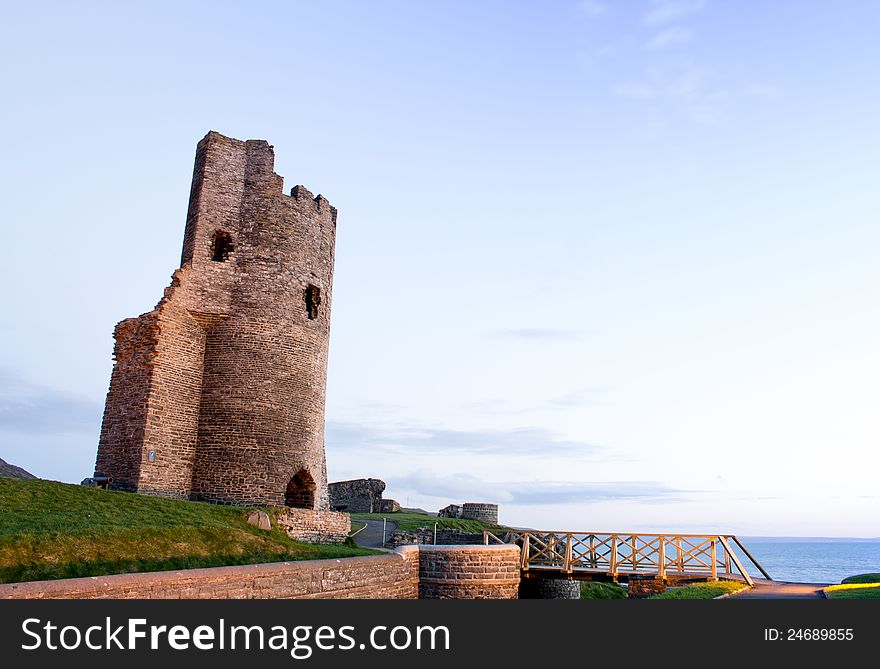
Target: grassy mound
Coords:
[(701, 590), (597, 590), (54, 530), (412, 521), (862, 578)]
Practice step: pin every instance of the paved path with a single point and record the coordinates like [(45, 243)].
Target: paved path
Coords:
[(371, 535), (780, 590)]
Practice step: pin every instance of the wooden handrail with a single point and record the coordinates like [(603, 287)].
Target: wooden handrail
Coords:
[(621, 553)]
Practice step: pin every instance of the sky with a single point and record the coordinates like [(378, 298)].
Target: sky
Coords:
[(612, 265)]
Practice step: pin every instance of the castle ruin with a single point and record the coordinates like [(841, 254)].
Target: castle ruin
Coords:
[(218, 393)]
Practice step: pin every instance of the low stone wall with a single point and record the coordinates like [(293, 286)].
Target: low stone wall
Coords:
[(469, 572), (392, 576), (318, 527), (410, 572), (425, 535)]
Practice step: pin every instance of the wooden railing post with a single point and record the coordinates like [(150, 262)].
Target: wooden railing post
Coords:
[(661, 558), (567, 564), (634, 553), (714, 561), (525, 551), (679, 559), (613, 565), (594, 562)]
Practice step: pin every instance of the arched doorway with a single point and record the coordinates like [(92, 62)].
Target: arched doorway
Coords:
[(300, 492)]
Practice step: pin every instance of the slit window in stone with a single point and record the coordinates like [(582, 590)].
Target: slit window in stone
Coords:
[(312, 297), (222, 246)]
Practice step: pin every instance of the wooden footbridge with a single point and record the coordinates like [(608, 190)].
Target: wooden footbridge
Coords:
[(614, 555)]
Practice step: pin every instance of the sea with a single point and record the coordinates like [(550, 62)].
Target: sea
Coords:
[(813, 559)]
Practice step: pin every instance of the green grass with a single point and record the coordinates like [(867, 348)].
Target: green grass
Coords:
[(862, 586), (597, 590), (54, 530), (701, 590), (854, 590), (413, 521), (862, 578)]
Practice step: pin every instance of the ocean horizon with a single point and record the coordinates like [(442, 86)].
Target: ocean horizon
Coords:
[(813, 559)]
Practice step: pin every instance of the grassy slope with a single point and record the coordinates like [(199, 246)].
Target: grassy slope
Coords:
[(597, 590), (863, 586), (853, 591), (56, 530), (412, 521), (701, 590)]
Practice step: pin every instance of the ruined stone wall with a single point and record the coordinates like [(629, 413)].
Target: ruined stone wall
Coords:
[(357, 495), (389, 506), (218, 393)]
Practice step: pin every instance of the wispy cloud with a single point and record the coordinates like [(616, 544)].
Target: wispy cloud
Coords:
[(694, 90), (666, 11), (466, 487), (27, 407), (426, 440), (537, 334), (670, 37), (576, 398)]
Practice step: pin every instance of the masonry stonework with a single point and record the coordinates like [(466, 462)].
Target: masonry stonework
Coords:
[(317, 527), (487, 513), (357, 495), (469, 572), (640, 586), (549, 588), (410, 572), (392, 576), (218, 393), (426, 535)]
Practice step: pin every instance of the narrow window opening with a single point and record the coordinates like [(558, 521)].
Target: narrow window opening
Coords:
[(222, 246), (312, 297)]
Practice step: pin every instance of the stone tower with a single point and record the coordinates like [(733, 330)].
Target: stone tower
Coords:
[(218, 393)]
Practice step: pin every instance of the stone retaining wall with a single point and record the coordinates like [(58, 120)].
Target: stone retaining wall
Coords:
[(320, 527), (410, 572), (392, 576)]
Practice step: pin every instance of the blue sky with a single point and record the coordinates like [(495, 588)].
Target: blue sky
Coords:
[(609, 264)]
